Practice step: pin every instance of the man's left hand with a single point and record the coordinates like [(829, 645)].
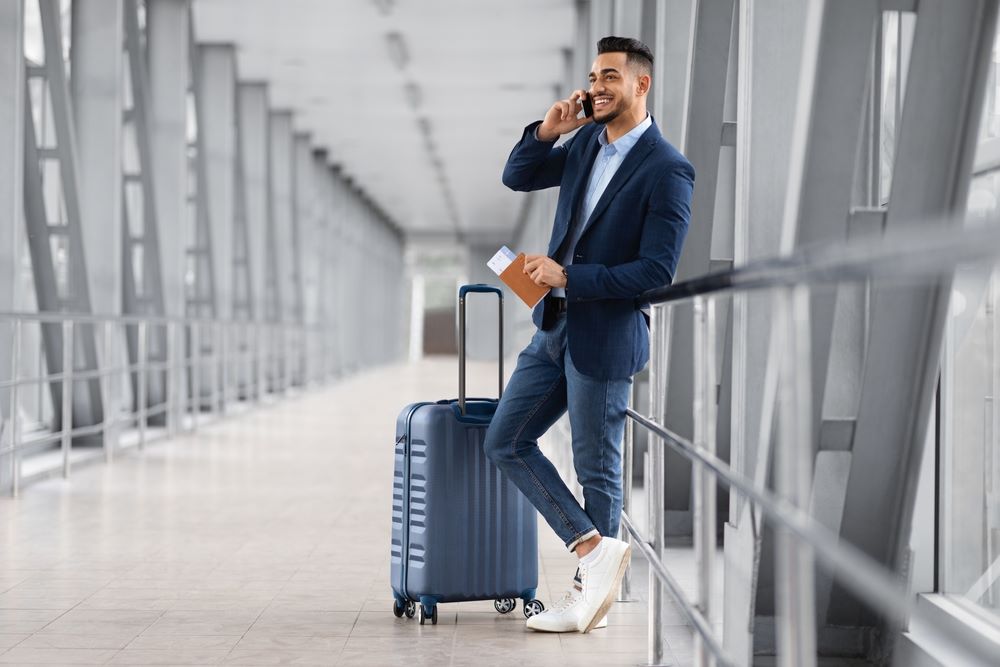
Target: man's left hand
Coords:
[(544, 271)]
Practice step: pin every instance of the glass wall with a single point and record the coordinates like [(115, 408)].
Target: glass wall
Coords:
[(969, 454)]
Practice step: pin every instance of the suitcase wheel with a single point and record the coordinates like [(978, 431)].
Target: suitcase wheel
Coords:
[(505, 605), (423, 614), (397, 609), (532, 607), (411, 608)]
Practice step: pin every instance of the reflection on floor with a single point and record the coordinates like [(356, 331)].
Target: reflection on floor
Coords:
[(264, 540)]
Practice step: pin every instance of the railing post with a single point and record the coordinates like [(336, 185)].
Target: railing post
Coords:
[(796, 604), (108, 427), (171, 378), (259, 360), (142, 373), (654, 484), (15, 425), (67, 394), (224, 363), (213, 369), (703, 483), (628, 448), (195, 374)]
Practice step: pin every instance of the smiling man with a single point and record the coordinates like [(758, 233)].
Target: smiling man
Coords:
[(623, 211)]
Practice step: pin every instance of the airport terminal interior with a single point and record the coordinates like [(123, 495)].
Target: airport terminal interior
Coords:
[(233, 235)]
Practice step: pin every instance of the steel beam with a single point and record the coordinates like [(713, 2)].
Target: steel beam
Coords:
[(216, 95), (308, 242), (96, 89), (167, 37), (704, 115), (142, 275), (12, 92), (282, 231), (770, 45), (672, 66), (61, 283), (255, 151)]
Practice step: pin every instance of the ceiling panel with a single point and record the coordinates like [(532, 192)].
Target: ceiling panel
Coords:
[(482, 70)]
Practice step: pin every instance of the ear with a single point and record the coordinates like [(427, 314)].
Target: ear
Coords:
[(642, 84)]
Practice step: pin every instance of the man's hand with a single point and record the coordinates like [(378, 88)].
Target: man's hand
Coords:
[(562, 117), (544, 271)]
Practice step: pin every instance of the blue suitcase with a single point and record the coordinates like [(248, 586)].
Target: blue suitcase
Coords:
[(460, 529)]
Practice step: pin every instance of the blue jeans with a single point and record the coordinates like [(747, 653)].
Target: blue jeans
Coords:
[(544, 385)]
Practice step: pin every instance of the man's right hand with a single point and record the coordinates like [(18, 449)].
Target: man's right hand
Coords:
[(562, 117)]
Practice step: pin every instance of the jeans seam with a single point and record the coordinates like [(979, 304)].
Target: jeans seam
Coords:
[(604, 468), (520, 459)]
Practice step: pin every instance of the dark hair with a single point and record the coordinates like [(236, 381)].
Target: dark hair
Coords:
[(638, 54)]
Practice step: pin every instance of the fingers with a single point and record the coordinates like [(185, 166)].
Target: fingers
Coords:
[(569, 110)]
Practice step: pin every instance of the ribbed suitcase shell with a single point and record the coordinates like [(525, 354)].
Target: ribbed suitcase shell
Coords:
[(460, 529)]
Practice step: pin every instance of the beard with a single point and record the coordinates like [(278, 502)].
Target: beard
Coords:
[(612, 113)]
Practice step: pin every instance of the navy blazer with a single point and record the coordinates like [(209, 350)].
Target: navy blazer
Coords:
[(630, 244)]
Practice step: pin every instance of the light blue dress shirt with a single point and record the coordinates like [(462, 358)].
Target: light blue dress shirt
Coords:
[(609, 159)]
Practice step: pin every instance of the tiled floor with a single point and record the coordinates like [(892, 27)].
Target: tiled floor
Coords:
[(263, 540)]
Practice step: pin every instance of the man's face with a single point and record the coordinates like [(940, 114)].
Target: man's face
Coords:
[(613, 86)]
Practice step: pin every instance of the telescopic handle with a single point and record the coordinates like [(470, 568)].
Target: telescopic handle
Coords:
[(462, 292)]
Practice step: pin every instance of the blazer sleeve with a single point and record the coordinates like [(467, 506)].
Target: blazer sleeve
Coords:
[(663, 233), (534, 164)]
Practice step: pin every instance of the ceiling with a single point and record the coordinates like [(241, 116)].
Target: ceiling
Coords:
[(476, 71)]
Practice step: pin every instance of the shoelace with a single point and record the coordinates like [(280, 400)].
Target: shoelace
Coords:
[(569, 598)]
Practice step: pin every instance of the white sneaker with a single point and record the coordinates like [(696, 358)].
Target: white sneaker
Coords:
[(600, 581), (564, 616)]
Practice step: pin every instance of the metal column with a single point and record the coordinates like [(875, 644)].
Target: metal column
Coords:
[(703, 132), (11, 203), (55, 237), (142, 274), (96, 86)]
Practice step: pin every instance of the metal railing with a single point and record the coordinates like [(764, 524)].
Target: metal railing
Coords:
[(202, 367), (801, 541)]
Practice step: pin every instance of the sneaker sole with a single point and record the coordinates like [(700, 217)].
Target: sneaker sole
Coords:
[(609, 600)]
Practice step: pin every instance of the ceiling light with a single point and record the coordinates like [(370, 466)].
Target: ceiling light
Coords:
[(384, 7), (413, 95), (398, 53)]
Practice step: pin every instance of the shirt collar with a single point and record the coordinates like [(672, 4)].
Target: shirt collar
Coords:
[(624, 143)]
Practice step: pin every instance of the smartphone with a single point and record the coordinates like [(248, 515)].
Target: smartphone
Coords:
[(588, 105)]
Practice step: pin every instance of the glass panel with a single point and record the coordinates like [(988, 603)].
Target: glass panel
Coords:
[(897, 39), (971, 424), (990, 126)]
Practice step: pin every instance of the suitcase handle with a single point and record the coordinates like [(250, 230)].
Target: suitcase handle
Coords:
[(462, 292)]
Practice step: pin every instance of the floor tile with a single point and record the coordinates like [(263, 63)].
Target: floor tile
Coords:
[(47, 656), (168, 657)]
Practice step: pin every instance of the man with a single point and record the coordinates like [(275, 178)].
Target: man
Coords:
[(624, 205)]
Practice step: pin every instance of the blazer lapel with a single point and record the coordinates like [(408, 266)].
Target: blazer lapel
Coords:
[(579, 187), (632, 161)]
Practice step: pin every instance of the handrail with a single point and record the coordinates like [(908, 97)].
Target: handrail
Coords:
[(894, 255), (261, 355), (931, 253), (870, 584), (696, 618), (59, 316)]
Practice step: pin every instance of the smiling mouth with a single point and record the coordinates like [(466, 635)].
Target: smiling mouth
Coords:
[(601, 101)]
